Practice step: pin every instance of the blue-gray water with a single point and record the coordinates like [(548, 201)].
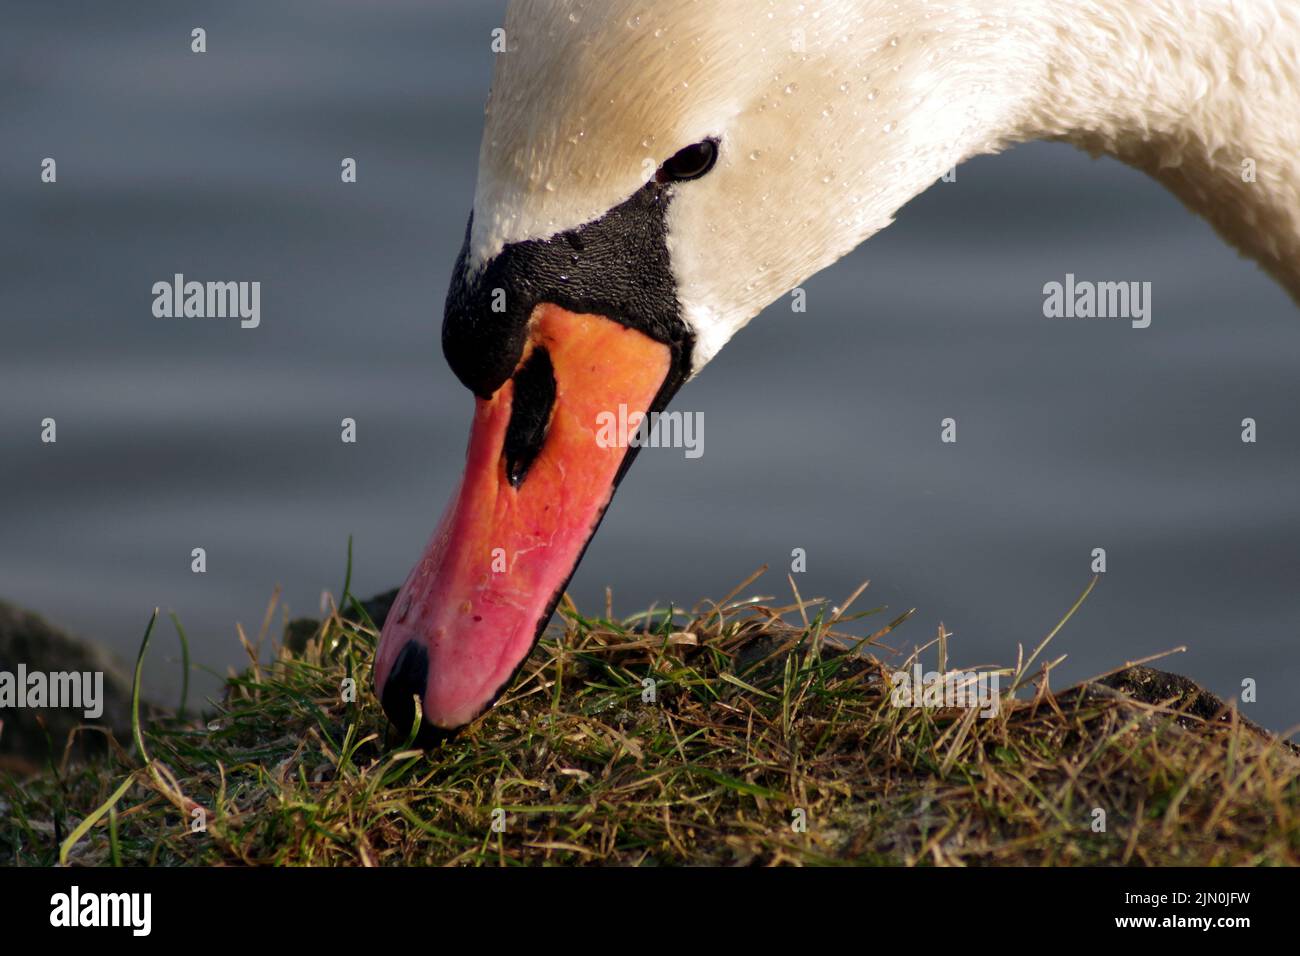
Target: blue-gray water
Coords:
[(822, 430)]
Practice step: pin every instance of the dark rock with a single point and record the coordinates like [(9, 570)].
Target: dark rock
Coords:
[(1150, 686), (299, 631), (29, 737), (378, 607)]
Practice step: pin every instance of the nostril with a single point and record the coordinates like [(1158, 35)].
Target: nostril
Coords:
[(406, 681), (530, 414)]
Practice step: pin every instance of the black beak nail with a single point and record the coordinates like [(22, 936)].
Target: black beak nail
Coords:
[(407, 681)]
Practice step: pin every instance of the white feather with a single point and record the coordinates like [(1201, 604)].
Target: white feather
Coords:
[(834, 113)]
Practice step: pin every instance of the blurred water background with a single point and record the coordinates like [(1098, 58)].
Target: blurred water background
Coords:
[(821, 430)]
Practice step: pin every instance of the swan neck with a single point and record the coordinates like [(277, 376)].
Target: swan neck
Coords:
[(1203, 95)]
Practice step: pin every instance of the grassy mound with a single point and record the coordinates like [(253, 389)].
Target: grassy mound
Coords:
[(760, 740)]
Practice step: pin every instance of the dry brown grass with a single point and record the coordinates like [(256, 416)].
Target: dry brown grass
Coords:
[(760, 721)]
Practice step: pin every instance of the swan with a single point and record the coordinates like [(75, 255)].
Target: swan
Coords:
[(653, 173)]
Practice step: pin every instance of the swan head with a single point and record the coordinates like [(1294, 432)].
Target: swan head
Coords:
[(828, 117), (651, 176)]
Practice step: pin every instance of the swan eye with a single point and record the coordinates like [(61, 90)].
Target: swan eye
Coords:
[(689, 163)]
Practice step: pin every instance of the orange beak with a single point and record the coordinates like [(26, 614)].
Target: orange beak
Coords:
[(539, 474)]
